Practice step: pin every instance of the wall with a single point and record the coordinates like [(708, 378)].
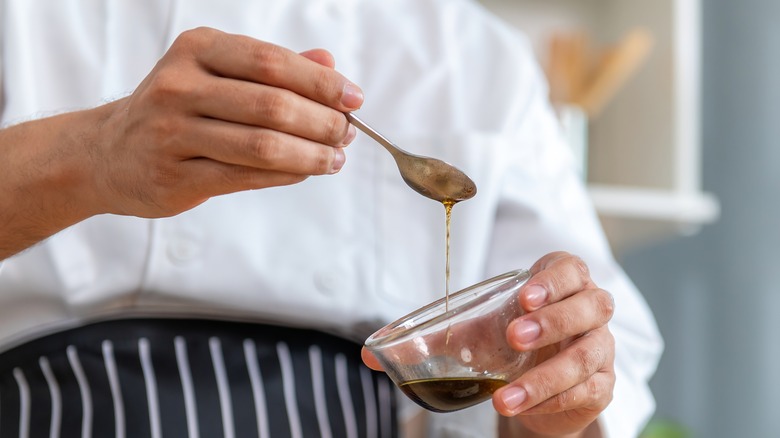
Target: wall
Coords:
[(716, 295)]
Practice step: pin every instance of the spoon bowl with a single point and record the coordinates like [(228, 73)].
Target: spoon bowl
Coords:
[(430, 177)]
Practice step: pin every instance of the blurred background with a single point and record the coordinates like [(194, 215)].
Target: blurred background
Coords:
[(674, 108)]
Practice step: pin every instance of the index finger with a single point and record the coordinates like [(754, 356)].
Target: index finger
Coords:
[(242, 57), (554, 277)]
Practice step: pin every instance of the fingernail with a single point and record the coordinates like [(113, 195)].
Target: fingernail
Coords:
[(338, 160), (351, 134), (535, 296), (526, 331), (352, 96), (513, 397)]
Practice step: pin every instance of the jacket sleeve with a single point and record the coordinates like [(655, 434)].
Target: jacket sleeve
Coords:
[(2, 97)]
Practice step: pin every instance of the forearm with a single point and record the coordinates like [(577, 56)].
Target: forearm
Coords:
[(45, 182)]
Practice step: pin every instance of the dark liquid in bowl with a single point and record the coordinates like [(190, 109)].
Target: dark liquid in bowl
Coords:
[(450, 394)]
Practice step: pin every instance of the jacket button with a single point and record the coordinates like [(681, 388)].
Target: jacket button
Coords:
[(182, 251)]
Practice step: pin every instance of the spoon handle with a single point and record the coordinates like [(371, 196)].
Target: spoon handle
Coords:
[(393, 149)]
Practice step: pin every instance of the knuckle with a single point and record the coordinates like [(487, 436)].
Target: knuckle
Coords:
[(566, 322), (561, 401), (593, 389), (549, 259), (599, 392), (165, 132), (609, 342), (230, 178), (605, 401), (323, 87), (335, 129), (589, 360), (239, 176), (191, 39), (275, 108), (580, 266), (268, 58), (605, 304), (543, 387), (184, 41), (189, 36), (167, 86), (264, 146), (609, 382), (556, 283), (323, 162)]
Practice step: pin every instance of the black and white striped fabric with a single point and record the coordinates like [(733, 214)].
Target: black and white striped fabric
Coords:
[(192, 378)]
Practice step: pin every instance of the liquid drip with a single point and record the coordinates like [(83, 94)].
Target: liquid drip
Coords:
[(448, 216), (452, 393)]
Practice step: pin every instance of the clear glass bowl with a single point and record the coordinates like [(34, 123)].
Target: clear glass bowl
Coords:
[(449, 356)]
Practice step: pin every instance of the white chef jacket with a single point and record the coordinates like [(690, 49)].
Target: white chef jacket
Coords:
[(344, 253)]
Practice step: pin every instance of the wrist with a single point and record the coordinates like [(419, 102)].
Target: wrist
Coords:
[(66, 182), (47, 182), (510, 427)]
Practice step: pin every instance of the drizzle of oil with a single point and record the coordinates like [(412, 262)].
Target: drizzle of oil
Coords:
[(448, 204)]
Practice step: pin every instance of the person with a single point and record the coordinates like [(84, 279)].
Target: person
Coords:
[(149, 288)]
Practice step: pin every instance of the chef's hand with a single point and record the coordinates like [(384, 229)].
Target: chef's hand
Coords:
[(573, 380), (220, 113)]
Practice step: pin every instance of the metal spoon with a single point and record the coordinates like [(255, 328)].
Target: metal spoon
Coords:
[(429, 177)]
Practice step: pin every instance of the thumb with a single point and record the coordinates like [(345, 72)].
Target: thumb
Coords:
[(370, 360)]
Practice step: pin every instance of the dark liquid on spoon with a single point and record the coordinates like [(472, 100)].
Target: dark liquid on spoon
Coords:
[(450, 394)]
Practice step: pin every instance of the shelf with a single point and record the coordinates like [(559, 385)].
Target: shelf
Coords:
[(654, 204), (633, 216), (642, 154)]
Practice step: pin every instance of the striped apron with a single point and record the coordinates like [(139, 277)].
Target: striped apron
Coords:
[(195, 378)]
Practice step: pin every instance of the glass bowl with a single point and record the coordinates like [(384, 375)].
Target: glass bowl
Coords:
[(447, 356)]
